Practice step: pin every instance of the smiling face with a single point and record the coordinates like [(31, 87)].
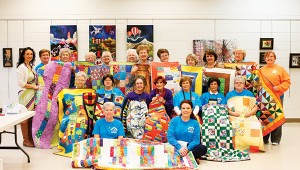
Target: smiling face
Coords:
[(213, 86), (159, 84), (106, 57), (80, 82), (131, 57), (143, 55), (239, 85), (186, 110), (108, 83), (45, 57), (270, 58), (65, 57), (238, 56), (28, 56), (191, 61), (186, 86), (139, 85), (164, 57), (90, 58), (109, 113), (210, 59)]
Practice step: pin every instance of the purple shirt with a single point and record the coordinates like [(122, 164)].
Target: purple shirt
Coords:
[(139, 97), (169, 100)]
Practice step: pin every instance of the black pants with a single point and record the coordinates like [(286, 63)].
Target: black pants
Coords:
[(199, 150), (275, 135)]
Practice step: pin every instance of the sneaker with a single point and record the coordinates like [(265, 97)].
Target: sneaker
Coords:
[(275, 143)]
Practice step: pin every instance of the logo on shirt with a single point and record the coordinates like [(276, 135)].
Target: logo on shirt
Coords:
[(114, 130), (191, 129), (274, 71)]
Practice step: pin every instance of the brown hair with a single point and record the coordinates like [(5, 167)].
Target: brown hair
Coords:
[(43, 51), (185, 78), (210, 52), (161, 51), (192, 116), (160, 78), (108, 76), (142, 47), (268, 53)]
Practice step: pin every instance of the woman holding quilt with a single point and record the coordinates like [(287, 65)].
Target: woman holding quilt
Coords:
[(275, 80), (184, 132)]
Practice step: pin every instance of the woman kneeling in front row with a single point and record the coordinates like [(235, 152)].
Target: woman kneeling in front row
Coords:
[(184, 132)]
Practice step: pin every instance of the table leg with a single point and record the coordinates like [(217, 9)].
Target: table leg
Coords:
[(18, 146)]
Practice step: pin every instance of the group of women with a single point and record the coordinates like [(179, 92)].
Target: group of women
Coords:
[(184, 130)]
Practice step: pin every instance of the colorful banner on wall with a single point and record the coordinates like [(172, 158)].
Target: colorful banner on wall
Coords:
[(140, 35), (122, 74), (223, 48), (63, 36), (195, 72), (102, 38), (170, 70)]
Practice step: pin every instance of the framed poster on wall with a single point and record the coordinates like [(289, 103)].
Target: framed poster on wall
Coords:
[(7, 57)]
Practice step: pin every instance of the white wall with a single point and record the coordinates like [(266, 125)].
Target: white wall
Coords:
[(176, 24)]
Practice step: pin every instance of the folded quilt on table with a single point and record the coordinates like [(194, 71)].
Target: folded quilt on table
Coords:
[(217, 134), (129, 154), (247, 132)]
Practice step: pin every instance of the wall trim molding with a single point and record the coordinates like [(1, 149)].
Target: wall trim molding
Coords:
[(292, 120)]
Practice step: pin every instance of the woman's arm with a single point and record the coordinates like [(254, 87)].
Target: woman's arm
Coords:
[(252, 112), (171, 135)]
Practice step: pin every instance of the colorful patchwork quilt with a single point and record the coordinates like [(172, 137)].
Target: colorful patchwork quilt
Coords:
[(247, 132), (171, 72), (129, 154), (270, 111), (245, 69), (56, 77), (195, 73), (122, 75), (157, 123), (41, 83), (97, 73), (85, 67), (226, 77), (135, 118), (73, 119), (144, 70), (217, 135)]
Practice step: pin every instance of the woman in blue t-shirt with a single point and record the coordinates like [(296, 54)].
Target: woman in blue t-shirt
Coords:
[(108, 127), (184, 132), (213, 96)]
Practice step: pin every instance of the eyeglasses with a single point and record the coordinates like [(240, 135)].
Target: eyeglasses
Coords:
[(238, 82), (80, 80)]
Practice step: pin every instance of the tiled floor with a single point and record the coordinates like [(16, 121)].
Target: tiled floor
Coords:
[(284, 156)]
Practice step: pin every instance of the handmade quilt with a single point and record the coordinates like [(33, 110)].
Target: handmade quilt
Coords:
[(195, 73), (97, 73), (129, 154), (85, 67), (226, 77), (244, 69), (247, 132), (73, 119), (135, 118), (171, 72), (122, 75), (157, 123), (144, 70), (56, 77), (41, 83), (217, 134), (270, 112)]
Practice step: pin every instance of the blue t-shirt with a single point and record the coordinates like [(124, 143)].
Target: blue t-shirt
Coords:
[(234, 93), (184, 131), (107, 93), (192, 96), (219, 98), (110, 130)]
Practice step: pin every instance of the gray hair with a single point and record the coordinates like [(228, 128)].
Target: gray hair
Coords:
[(106, 52), (241, 78), (81, 73), (64, 50), (107, 104), (90, 54), (133, 51), (239, 49)]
